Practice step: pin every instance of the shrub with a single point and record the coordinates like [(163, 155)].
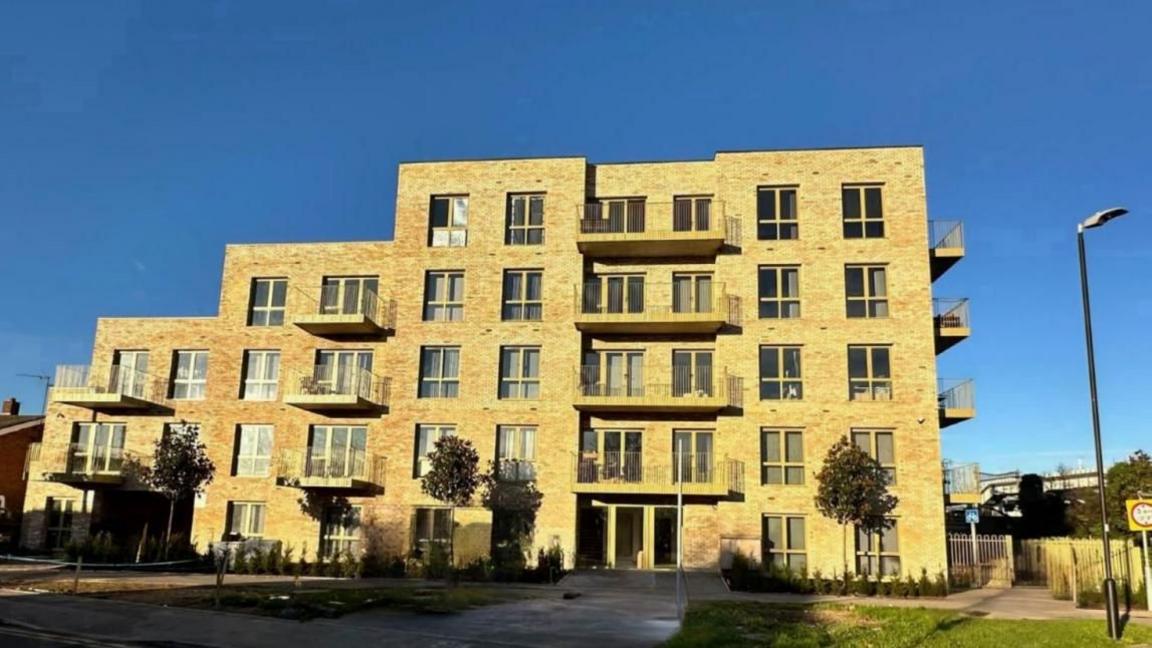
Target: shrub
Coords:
[(287, 563), (436, 565), (911, 588), (256, 559)]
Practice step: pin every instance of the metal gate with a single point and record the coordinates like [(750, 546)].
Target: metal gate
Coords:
[(987, 562)]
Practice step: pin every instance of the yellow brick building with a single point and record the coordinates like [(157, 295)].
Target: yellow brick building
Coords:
[(617, 332)]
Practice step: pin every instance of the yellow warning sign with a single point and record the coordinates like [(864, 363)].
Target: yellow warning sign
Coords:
[(1139, 514)]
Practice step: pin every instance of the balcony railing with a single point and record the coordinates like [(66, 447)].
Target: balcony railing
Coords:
[(84, 464), (950, 317), (962, 483), (657, 388), (957, 401), (339, 468), (636, 473), (945, 244), (641, 228), (123, 388), (654, 307), (337, 313), (517, 470), (328, 387)]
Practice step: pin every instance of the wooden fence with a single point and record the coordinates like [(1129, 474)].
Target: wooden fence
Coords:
[(1072, 566), (990, 566)]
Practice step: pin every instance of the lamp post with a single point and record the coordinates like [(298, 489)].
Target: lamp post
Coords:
[(1111, 608)]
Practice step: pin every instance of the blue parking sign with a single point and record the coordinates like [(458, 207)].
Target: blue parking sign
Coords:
[(972, 515)]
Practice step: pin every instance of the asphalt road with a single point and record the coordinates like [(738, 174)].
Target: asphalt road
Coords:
[(13, 637)]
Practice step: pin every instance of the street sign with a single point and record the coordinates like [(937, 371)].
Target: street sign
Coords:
[(972, 515), (1139, 514)]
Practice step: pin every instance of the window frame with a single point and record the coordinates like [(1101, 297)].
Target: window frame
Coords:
[(876, 388), (248, 454), (871, 558), (526, 228), (696, 209), (425, 532), (787, 387), (266, 389), (516, 383), (426, 443), (452, 310), (874, 306), (97, 458), (873, 448), (516, 452), (786, 553), (777, 221), (520, 303), (783, 303), (193, 388), (271, 313), (347, 521), (784, 461), (696, 301), (452, 233), (367, 288), (441, 384), (597, 294), (59, 522), (252, 527), (858, 218)]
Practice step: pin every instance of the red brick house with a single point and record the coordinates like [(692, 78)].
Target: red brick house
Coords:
[(17, 433)]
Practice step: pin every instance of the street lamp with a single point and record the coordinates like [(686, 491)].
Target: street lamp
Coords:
[(1112, 609)]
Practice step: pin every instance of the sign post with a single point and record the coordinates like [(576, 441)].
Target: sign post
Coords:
[(972, 517), (1140, 519)]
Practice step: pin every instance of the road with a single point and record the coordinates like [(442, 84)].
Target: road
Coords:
[(13, 637)]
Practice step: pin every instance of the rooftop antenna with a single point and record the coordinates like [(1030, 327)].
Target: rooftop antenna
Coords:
[(47, 385)]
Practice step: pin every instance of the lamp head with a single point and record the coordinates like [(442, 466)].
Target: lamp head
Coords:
[(1101, 217)]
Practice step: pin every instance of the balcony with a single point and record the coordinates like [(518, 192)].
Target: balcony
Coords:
[(653, 308), (339, 313), (633, 473), (643, 229), (957, 401), (962, 484), (125, 388), (83, 465), (342, 469), (946, 245), (680, 390), (326, 388), (950, 321)]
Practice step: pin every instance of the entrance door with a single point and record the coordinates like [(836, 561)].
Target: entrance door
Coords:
[(664, 537), (592, 537), (629, 536)]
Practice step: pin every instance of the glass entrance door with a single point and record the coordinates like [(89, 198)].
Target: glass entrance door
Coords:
[(664, 537)]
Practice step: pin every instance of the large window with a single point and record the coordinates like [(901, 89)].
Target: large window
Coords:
[(439, 372), (266, 302), (253, 450), (426, 437), (523, 297), (779, 292), (692, 456), (340, 532), (781, 457), (692, 373), (525, 219), (130, 373), (246, 519), (612, 373), (780, 374), (516, 452), (614, 216), (190, 375), (863, 211), (611, 455), (776, 214), (343, 372), (337, 451), (880, 446), (430, 527), (610, 294), (878, 554), (869, 373), (692, 293), (348, 295), (96, 448), (444, 296), (261, 375), (692, 214), (58, 528), (866, 290), (520, 372), (784, 543), (448, 222)]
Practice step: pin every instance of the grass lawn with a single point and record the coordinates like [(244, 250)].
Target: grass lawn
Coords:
[(764, 624)]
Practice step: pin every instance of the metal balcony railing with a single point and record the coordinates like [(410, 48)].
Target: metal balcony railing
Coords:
[(642, 220), (957, 394), (517, 470), (659, 385), (950, 313), (945, 234), (634, 472), (961, 479), (81, 382), (327, 380), (655, 302), (336, 467), (339, 303), (84, 462)]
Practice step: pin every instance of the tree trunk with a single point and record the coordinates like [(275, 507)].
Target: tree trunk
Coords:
[(451, 542), (844, 547), (168, 533)]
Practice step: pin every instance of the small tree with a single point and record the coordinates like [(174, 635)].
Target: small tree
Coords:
[(514, 502), (853, 489), (453, 477), (180, 468)]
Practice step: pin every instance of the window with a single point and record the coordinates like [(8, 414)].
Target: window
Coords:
[(611, 294), (869, 373), (783, 542), (337, 451), (261, 374), (266, 302), (776, 214), (340, 532), (522, 295), (879, 445), (130, 373), (191, 375), (612, 373), (780, 375), (610, 455), (866, 289), (430, 527), (520, 372), (692, 214), (692, 456), (692, 373), (443, 296), (439, 372), (349, 295), (525, 219), (781, 457), (878, 554), (779, 292), (342, 372), (516, 452), (614, 216), (426, 438), (58, 530), (863, 212), (246, 519), (253, 450), (448, 222), (96, 448), (692, 293)]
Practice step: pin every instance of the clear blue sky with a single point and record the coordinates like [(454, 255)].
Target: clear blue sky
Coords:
[(137, 139)]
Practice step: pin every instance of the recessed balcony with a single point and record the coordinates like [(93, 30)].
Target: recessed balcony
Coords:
[(962, 484), (945, 245), (334, 468), (950, 321), (83, 465), (326, 388), (124, 388), (636, 228), (633, 473), (339, 312), (957, 401), (681, 389), (647, 308)]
